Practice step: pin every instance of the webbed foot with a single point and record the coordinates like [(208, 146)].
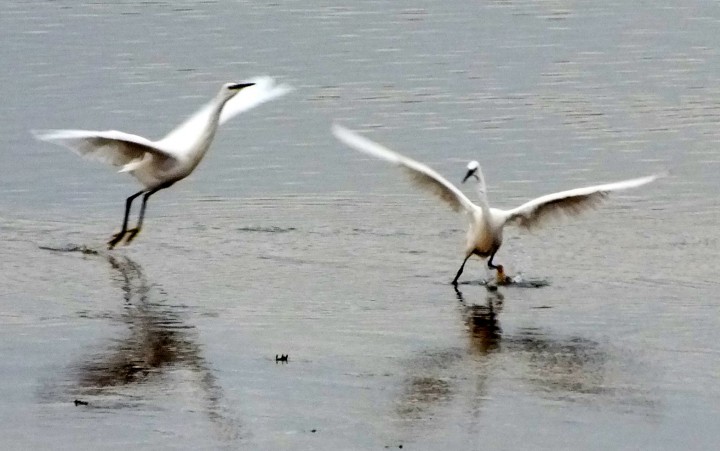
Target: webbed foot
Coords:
[(500, 277)]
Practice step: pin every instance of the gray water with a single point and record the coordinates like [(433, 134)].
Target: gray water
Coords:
[(286, 242)]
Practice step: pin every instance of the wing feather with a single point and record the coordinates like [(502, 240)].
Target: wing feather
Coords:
[(113, 147), (264, 90), (569, 203), (421, 175)]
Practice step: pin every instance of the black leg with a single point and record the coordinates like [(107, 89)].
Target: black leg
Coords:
[(490, 261), (119, 236), (133, 232), (500, 277), (457, 276)]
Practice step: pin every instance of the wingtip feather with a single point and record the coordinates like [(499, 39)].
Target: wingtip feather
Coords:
[(264, 90), (365, 145), (46, 135), (269, 86)]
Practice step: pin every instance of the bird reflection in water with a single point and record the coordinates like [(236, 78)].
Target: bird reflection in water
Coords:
[(158, 338), (157, 344), (432, 379), (567, 368), (560, 366), (482, 321)]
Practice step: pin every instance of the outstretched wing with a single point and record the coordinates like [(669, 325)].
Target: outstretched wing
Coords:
[(113, 147), (571, 202), (264, 90), (422, 175)]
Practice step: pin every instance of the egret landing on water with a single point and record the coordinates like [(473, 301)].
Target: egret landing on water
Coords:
[(159, 164), (484, 235)]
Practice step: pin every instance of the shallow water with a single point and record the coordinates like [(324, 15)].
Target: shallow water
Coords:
[(286, 242)]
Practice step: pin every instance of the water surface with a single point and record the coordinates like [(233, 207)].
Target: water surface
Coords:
[(286, 242)]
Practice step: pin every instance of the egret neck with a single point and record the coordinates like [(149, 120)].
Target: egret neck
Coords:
[(481, 189), (212, 113)]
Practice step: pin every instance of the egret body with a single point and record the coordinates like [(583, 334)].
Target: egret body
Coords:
[(485, 231), (159, 164)]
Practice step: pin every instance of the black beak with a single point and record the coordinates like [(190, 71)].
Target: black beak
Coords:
[(239, 86), (468, 175)]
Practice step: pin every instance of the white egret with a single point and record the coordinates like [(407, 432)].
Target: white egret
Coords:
[(159, 164), (485, 231)]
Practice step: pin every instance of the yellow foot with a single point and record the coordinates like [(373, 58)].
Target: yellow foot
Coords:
[(131, 234), (115, 239), (500, 277)]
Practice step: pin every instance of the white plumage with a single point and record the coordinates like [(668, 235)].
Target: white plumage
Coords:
[(486, 223), (159, 164)]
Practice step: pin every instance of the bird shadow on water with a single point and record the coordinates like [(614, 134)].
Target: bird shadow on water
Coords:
[(530, 362), (158, 348)]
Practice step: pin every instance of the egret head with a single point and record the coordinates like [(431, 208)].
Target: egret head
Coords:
[(230, 89), (472, 170)]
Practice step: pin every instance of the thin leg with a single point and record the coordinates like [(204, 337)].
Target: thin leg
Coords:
[(500, 276), (133, 232), (491, 265), (457, 276), (119, 236)]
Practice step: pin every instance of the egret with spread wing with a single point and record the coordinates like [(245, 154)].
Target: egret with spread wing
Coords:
[(159, 164), (485, 232)]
